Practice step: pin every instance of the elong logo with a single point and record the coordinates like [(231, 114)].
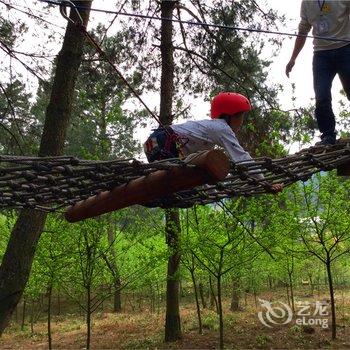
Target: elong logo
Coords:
[(278, 313)]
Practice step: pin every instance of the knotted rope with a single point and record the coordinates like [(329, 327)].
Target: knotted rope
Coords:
[(54, 182)]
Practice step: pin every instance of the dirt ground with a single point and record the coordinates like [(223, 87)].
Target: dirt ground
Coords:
[(243, 330)]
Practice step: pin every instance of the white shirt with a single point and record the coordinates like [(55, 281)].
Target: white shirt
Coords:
[(327, 19), (205, 134)]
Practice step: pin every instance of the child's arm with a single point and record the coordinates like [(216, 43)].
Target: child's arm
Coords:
[(230, 143)]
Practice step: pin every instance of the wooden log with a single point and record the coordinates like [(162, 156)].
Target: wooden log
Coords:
[(211, 166)]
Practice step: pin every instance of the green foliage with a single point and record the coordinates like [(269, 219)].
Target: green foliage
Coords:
[(210, 321), (295, 329), (6, 223), (7, 32), (102, 126), (18, 132), (263, 340), (322, 219)]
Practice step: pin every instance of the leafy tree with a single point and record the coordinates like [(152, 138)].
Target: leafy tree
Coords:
[(320, 210), (102, 126), (221, 242)]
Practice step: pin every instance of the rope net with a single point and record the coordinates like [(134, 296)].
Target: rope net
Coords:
[(52, 183)]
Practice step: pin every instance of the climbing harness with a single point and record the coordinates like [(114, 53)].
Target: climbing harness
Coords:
[(163, 143)]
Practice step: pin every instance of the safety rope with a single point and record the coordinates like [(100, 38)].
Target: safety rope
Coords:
[(51, 183)]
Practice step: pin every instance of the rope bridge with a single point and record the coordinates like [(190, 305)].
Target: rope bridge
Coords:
[(52, 183)]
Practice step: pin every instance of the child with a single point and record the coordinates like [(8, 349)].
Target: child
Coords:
[(227, 113)]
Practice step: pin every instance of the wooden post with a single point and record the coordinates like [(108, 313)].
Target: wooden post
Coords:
[(343, 170), (211, 166)]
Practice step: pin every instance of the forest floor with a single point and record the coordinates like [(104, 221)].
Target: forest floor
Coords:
[(145, 330)]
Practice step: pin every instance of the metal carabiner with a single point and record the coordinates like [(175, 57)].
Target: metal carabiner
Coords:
[(63, 10)]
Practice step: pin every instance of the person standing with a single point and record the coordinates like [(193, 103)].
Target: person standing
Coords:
[(330, 25)]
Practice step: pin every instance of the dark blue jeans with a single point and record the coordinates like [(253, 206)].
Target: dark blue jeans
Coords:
[(326, 64)]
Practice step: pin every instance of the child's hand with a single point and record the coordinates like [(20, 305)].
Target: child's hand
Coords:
[(277, 188)]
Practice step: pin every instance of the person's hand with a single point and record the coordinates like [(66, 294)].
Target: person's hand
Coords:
[(277, 188), (289, 67)]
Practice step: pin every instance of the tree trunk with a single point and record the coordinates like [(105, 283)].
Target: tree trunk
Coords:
[(270, 282), (290, 270), (318, 283), (159, 298), (32, 312), (19, 254), (255, 297), (49, 335), (200, 330), (291, 288), (152, 299), (287, 292), (172, 317), (235, 294), (88, 317), (23, 313), (58, 302), (172, 226), (117, 301), (221, 319), (212, 296), (311, 285), (167, 77), (16, 314), (331, 294), (201, 293)]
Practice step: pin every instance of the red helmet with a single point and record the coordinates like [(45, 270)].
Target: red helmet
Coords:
[(229, 103)]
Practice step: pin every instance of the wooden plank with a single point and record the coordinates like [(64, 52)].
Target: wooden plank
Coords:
[(211, 166)]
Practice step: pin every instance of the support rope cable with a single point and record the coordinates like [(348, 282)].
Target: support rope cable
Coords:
[(202, 24), (206, 27), (191, 53)]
